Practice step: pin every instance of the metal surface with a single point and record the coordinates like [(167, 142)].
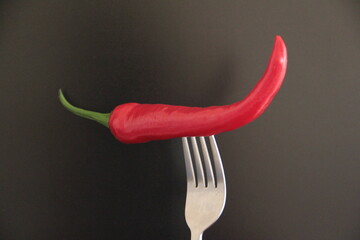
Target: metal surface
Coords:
[(206, 194)]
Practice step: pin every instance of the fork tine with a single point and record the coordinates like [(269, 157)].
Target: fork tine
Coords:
[(190, 175), (208, 167), (220, 176), (203, 205), (199, 168)]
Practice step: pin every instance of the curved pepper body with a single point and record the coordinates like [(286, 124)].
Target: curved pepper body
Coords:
[(138, 123)]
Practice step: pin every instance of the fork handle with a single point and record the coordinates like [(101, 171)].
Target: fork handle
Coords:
[(196, 236)]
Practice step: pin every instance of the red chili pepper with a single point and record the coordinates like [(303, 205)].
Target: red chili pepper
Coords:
[(138, 123)]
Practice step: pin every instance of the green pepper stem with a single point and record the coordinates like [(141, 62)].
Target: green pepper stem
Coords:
[(102, 118)]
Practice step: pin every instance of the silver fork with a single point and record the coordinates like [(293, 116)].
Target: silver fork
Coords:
[(206, 194)]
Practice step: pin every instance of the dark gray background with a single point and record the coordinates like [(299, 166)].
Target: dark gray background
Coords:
[(292, 174)]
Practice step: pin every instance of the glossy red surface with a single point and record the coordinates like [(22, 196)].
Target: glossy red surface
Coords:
[(138, 123)]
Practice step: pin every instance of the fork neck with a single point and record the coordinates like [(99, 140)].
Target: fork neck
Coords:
[(196, 235)]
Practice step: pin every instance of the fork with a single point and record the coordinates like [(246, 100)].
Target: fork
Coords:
[(206, 193)]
